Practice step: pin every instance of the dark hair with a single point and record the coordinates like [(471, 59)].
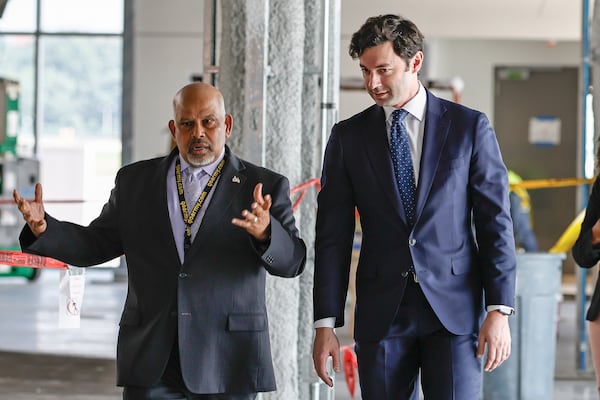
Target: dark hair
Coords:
[(403, 33)]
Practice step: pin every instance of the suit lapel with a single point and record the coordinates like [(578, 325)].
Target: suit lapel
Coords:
[(162, 209), (437, 126), (232, 180)]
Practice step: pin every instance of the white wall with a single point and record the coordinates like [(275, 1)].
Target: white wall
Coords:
[(168, 45), (473, 61)]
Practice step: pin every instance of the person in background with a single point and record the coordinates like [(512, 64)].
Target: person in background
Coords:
[(435, 280), (520, 212), (199, 228), (586, 253)]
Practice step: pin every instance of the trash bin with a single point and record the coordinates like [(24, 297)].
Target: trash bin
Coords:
[(529, 372)]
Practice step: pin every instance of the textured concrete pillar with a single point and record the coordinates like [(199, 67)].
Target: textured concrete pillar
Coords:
[(283, 153), (280, 141)]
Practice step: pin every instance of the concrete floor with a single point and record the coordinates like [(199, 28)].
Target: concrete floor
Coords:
[(39, 361)]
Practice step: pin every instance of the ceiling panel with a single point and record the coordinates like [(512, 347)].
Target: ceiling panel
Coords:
[(555, 20)]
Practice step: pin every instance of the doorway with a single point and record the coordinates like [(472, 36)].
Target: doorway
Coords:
[(525, 98)]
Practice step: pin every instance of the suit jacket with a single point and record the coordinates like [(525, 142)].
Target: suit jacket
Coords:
[(214, 301), (584, 252), (461, 244)]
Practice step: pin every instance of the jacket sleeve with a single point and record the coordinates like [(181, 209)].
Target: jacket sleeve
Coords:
[(285, 255), (78, 245)]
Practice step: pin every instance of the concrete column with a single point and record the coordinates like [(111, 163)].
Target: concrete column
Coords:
[(283, 153), (268, 131)]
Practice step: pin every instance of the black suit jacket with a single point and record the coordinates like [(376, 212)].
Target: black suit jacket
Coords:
[(215, 301)]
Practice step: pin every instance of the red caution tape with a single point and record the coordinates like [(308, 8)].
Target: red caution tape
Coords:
[(350, 367), (18, 259)]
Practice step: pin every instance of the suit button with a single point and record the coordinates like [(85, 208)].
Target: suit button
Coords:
[(183, 275), (412, 242), (405, 274)]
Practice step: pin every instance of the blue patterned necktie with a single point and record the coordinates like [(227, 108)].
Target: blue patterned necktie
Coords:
[(403, 166)]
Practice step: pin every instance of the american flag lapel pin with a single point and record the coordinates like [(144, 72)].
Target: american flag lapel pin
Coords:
[(235, 179)]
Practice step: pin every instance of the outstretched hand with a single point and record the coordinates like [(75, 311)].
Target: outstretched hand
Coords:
[(33, 211), (257, 222)]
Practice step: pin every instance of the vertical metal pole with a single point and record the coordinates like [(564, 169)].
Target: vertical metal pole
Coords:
[(330, 86), (325, 105), (210, 42), (582, 349), (127, 84), (330, 68)]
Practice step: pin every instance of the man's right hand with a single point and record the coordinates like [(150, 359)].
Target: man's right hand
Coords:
[(326, 345), (33, 211)]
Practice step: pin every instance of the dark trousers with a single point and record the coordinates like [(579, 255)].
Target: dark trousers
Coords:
[(418, 343), (172, 387)]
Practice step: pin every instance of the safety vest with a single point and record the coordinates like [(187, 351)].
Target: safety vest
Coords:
[(514, 179)]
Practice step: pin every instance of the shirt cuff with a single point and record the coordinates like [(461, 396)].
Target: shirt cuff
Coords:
[(325, 323)]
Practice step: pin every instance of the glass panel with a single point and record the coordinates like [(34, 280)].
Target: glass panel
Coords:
[(17, 64), (80, 86), (19, 16), (79, 122), (91, 16)]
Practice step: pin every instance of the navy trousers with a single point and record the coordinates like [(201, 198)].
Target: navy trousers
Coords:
[(417, 343)]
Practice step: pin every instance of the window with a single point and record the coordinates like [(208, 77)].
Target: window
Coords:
[(67, 61)]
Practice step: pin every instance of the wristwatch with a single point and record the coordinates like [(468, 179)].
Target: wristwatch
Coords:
[(505, 310)]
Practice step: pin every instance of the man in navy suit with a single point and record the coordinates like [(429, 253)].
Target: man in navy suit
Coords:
[(433, 287), (194, 324)]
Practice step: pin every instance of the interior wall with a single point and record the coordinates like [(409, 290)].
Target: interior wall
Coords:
[(473, 61), (167, 46)]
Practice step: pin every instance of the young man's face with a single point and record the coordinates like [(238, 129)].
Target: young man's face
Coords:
[(388, 78)]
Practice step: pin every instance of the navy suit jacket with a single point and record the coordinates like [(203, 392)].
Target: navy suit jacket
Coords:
[(461, 244), (214, 301)]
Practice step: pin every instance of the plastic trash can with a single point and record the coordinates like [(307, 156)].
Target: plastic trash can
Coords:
[(529, 372)]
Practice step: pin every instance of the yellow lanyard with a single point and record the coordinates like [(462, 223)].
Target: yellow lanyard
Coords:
[(189, 218)]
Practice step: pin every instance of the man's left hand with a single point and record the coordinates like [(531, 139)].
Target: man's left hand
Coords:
[(495, 333), (257, 221)]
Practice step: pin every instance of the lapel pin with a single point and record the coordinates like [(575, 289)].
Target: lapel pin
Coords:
[(235, 179)]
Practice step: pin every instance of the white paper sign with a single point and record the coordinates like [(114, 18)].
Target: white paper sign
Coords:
[(544, 130), (70, 298)]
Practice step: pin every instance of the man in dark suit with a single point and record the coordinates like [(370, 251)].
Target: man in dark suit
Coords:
[(436, 274), (194, 324)]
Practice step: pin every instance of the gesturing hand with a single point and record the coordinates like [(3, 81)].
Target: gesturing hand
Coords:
[(33, 211), (257, 222)]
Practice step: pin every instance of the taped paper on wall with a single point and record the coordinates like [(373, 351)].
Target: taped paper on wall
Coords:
[(544, 130)]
